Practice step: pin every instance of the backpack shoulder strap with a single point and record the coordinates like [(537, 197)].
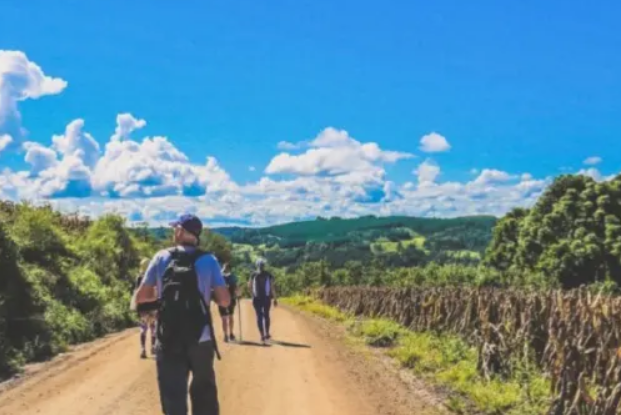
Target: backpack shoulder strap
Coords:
[(195, 256), (198, 253), (174, 252)]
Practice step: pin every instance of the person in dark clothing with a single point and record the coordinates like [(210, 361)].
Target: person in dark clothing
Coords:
[(263, 290), (147, 315), (226, 313)]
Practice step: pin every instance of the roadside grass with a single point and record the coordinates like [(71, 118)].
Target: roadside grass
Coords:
[(444, 360), (315, 307), (376, 333)]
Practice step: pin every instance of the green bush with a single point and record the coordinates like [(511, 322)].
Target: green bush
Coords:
[(67, 325), (64, 280), (38, 238)]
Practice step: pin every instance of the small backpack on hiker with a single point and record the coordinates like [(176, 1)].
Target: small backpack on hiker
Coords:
[(261, 284), (142, 308), (183, 312)]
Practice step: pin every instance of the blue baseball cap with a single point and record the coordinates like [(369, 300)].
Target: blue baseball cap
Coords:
[(190, 223)]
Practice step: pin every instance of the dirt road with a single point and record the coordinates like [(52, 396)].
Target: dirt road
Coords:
[(307, 370)]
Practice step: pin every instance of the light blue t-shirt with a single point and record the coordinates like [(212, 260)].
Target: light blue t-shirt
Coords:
[(207, 270)]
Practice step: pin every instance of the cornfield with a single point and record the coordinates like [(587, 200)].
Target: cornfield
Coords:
[(573, 336)]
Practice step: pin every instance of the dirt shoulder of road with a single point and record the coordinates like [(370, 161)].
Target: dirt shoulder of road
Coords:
[(36, 372), (395, 390)]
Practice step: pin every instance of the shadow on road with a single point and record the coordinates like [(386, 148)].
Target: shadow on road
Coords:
[(289, 344), (270, 343), (249, 343)]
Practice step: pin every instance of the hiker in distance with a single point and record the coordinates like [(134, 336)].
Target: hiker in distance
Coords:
[(147, 313), (226, 313), (263, 289), (184, 278)]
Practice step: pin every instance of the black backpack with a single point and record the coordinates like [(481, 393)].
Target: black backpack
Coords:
[(259, 280), (183, 312), (232, 287)]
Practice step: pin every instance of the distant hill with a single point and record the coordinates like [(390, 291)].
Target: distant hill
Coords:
[(344, 230), (396, 240)]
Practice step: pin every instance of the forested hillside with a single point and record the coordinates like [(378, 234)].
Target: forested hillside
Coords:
[(394, 241), (344, 230)]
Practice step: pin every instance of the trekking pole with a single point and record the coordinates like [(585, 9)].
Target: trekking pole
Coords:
[(240, 319)]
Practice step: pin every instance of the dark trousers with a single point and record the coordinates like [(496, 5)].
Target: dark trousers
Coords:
[(262, 309), (172, 376)]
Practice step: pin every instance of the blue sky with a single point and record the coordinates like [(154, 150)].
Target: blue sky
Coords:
[(515, 93)]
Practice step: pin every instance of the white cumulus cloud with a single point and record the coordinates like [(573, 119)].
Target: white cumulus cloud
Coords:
[(334, 152), (126, 124), (152, 167), (434, 143), (595, 174), (427, 172), (592, 161), (5, 140), (39, 157), (65, 168), (69, 177), (77, 143), (21, 79), (488, 176), (331, 137), (288, 146)]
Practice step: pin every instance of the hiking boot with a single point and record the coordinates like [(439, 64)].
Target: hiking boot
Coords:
[(143, 354), (232, 338), (226, 338)]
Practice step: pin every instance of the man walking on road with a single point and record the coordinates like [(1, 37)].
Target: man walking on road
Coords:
[(183, 278), (263, 290), (226, 313)]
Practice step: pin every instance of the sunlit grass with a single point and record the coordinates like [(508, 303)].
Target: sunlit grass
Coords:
[(378, 333), (315, 307)]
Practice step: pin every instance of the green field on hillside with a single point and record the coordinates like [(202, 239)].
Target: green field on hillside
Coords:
[(385, 245)]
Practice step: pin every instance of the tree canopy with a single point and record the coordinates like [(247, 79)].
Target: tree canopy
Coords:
[(571, 236)]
